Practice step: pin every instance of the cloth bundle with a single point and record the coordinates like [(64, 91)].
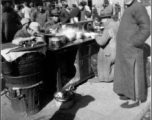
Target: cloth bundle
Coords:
[(11, 56)]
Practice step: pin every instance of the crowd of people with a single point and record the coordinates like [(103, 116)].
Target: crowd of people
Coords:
[(121, 55), (46, 14)]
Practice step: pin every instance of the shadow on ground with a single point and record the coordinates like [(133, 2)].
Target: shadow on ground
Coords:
[(71, 113)]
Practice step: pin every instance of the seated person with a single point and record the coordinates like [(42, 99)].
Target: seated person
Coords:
[(25, 22), (27, 33)]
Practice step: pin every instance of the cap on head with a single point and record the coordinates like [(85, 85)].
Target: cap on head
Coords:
[(107, 12), (83, 3), (73, 5), (64, 4), (24, 21), (87, 8), (59, 4), (35, 26)]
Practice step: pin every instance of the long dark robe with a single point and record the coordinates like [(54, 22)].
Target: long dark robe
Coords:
[(133, 31), (10, 24)]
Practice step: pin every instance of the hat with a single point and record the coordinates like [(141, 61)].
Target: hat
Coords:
[(83, 3), (35, 26), (64, 3), (107, 12), (87, 8), (105, 15), (24, 21), (59, 5)]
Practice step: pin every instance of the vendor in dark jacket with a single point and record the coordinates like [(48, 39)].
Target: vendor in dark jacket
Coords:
[(75, 12), (129, 75), (65, 15), (10, 22)]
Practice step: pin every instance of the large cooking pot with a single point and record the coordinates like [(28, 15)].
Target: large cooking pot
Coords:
[(40, 39), (57, 42)]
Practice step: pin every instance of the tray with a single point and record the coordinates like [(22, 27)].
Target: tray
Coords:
[(49, 35), (19, 49)]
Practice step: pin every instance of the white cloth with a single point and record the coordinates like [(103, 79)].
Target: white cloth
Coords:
[(27, 12), (11, 56)]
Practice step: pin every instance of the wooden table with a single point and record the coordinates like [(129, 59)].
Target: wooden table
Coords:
[(73, 60), (77, 57)]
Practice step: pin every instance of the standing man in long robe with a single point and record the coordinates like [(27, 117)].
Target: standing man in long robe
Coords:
[(129, 76), (10, 22)]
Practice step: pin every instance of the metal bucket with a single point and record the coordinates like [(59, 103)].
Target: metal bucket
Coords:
[(66, 102), (24, 92)]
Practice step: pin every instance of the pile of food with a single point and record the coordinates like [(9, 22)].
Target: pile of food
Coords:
[(66, 34)]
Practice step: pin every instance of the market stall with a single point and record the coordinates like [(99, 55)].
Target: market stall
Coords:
[(67, 61)]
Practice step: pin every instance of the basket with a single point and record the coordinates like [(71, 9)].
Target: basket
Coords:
[(30, 63)]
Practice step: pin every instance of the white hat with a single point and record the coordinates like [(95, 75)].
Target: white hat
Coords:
[(35, 26), (87, 8), (24, 21)]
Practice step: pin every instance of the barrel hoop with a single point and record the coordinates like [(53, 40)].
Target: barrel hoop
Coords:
[(20, 88), (28, 87)]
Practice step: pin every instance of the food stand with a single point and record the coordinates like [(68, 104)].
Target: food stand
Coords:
[(80, 61), (66, 66)]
